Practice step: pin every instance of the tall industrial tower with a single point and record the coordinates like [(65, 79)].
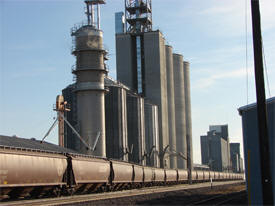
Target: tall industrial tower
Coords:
[(138, 16), (90, 71), (141, 64)]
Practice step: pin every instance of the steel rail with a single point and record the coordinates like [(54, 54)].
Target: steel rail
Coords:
[(113, 195), (219, 199)]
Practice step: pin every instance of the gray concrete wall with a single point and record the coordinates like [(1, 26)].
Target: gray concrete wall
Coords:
[(171, 104), (116, 123), (136, 128), (125, 60), (151, 134), (156, 84), (180, 109), (188, 115)]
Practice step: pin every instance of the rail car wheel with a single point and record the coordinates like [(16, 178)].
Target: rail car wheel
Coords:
[(57, 192), (15, 193), (109, 188), (36, 193)]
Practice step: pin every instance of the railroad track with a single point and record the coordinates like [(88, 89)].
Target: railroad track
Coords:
[(113, 195), (221, 199)]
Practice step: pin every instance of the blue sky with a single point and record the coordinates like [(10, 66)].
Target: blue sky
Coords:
[(35, 58)]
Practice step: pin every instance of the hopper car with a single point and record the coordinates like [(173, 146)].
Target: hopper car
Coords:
[(36, 173)]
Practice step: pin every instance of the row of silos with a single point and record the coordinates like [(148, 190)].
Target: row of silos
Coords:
[(131, 123), (179, 110), (164, 74), (132, 132), (110, 119)]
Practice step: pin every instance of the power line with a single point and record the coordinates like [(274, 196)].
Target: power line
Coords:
[(246, 51), (266, 72)]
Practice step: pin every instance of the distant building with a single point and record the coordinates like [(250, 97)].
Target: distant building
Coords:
[(222, 130), (241, 165), (119, 22), (214, 149), (236, 157)]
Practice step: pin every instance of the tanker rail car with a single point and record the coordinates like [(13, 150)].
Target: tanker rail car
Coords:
[(36, 173)]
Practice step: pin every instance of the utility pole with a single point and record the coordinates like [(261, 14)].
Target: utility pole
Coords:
[(261, 105)]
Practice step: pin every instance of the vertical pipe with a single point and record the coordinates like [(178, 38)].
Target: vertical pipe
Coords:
[(88, 14), (125, 13), (60, 128), (261, 105), (98, 16), (93, 14)]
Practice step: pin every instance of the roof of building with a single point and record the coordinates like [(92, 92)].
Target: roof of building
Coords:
[(253, 105), (33, 144)]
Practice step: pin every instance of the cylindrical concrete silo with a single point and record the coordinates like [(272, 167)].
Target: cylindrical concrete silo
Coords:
[(188, 117), (180, 110), (116, 121), (136, 128), (171, 104), (90, 72), (151, 134)]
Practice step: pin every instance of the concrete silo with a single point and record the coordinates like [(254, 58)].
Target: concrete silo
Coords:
[(90, 72), (116, 120), (136, 128), (171, 104), (188, 116), (151, 134), (180, 110)]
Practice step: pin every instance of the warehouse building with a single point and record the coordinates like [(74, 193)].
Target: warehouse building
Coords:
[(252, 150)]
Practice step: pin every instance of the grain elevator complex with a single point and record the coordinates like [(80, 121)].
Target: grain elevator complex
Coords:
[(145, 115)]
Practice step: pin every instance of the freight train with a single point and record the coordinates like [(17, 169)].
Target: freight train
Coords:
[(30, 172)]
